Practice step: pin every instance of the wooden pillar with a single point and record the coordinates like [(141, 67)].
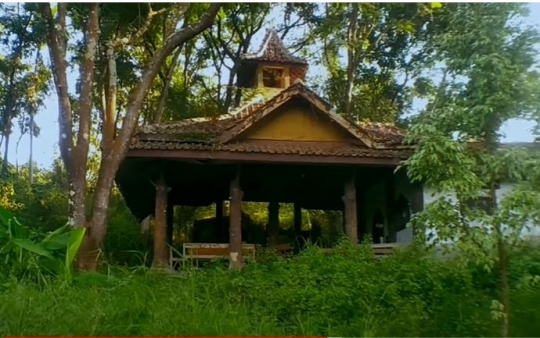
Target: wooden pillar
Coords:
[(297, 219), (273, 223), (170, 223), (349, 199), (235, 227), (161, 256)]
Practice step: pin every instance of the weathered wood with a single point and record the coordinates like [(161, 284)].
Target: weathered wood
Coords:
[(297, 219), (208, 251), (170, 222), (219, 155), (160, 225), (235, 227), (349, 199), (273, 223)]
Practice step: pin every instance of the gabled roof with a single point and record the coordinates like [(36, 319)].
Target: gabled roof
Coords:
[(273, 50), (369, 135), (219, 133)]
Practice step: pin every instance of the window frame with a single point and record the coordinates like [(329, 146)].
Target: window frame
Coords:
[(281, 79)]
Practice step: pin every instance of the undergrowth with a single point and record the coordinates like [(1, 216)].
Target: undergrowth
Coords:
[(346, 294)]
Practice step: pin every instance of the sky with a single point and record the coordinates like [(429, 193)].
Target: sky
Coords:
[(46, 145)]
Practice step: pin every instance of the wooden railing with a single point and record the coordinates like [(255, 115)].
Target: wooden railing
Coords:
[(208, 251)]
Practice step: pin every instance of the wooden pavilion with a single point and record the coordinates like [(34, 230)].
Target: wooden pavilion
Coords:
[(286, 145)]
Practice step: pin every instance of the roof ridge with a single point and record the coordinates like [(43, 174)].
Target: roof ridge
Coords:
[(272, 44)]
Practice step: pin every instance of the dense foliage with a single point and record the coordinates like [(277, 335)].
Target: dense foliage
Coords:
[(352, 294), (474, 64)]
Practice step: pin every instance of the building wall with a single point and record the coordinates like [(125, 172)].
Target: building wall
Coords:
[(296, 123), (430, 196)]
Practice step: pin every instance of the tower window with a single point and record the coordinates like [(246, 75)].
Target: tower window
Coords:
[(273, 77)]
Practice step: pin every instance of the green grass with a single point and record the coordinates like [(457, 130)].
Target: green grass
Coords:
[(313, 294)]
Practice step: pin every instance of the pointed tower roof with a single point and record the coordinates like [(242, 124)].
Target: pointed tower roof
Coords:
[(273, 50)]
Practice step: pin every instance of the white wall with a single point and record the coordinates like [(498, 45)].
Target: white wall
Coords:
[(430, 196)]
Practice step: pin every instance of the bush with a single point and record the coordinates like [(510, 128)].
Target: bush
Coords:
[(345, 294)]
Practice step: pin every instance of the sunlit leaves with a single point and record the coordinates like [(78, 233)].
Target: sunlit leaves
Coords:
[(23, 76), (487, 80), (381, 50)]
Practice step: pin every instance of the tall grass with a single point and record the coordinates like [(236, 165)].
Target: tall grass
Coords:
[(350, 294)]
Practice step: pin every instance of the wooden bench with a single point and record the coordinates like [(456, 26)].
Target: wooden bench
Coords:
[(208, 251)]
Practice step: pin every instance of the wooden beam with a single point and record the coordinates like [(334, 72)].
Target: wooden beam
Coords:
[(351, 221), (273, 223), (235, 227), (230, 156), (161, 256), (170, 221)]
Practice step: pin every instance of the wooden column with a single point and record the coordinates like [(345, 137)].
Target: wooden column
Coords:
[(297, 219), (161, 256), (273, 223), (235, 227), (170, 223), (349, 199)]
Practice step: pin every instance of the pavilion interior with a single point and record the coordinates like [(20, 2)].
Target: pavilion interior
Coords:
[(382, 206)]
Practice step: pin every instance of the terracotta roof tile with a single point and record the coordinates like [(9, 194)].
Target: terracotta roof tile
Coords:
[(206, 134), (384, 133), (273, 50), (274, 148)]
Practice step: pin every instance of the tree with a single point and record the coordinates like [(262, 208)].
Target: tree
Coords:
[(369, 51), (23, 76), (226, 42), (76, 111), (489, 78)]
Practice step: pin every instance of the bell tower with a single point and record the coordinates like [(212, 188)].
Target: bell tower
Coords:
[(273, 67)]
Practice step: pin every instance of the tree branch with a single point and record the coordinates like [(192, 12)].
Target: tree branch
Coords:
[(142, 30), (136, 99)]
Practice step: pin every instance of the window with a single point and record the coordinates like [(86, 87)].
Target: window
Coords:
[(273, 77)]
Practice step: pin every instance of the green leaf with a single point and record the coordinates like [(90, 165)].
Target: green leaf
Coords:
[(436, 5), (58, 242), (5, 217), (18, 230), (76, 237), (32, 247), (56, 233)]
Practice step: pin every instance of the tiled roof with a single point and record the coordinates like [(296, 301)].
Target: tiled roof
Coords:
[(273, 147), (206, 134), (273, 50), (384, 133)]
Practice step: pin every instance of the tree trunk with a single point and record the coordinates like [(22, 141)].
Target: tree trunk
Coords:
[(31, 155), (75, 156), (352, 57), (158, 114), (6, 149)]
